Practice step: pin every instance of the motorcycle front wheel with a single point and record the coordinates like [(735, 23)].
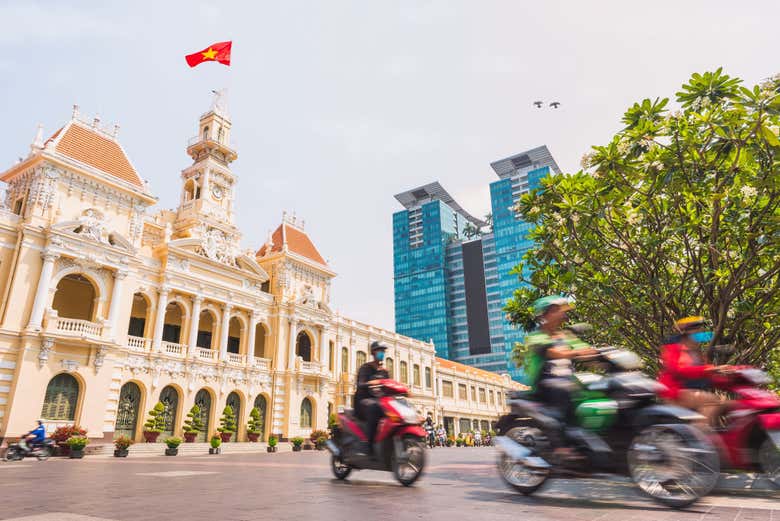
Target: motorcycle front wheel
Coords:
[(769, 459), (409, 467), (340, 469), (673, 464), (13, 454), (514, 473)]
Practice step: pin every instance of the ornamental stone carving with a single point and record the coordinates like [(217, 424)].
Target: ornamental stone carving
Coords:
[(43, 355), (100, 357), (217, 246)]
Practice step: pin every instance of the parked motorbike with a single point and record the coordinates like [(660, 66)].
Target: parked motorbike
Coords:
[(749, 438), (42, 451), (399, 444), (430, 437), (620, 428)]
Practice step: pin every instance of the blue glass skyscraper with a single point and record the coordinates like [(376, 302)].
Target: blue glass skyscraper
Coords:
[(450, 286)]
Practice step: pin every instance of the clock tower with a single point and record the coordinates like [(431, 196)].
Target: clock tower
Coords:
[(208, 191)]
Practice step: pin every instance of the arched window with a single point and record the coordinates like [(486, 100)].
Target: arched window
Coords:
[(306, 414), (174, 316), (360, 358), (206, 132), (428, 381), (62, 396), (261, 404), (234, 401), (389, 365), (235, 332), (344, 360), (75, 298), (260, 341), (138, 316), (205, 330), (127, 410), (416, 375), (404, 372), (303, 346), (169, 397), (203, 401)]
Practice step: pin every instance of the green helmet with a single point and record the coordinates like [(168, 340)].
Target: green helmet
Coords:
[(542, 305)]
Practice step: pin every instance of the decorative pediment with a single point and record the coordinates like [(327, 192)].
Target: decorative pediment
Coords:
[(91, 226), (248, 263)]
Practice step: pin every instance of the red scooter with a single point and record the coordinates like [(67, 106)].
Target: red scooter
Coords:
[(399, 444), (750, 437)]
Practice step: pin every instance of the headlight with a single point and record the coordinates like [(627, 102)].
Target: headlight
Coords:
[(408, 414)]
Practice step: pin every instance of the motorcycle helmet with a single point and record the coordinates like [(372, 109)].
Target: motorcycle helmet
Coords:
[(541, 305)]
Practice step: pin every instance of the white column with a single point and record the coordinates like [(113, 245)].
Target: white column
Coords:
[(291, 349), (162, 303), (116, 295), (42, 293), (192, 342), (323, 350), (250, 337), (223, 331)]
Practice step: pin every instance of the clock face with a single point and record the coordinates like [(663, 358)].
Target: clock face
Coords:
[(217, 192)]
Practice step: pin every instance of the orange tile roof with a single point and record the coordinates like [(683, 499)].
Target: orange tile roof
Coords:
[(91, 147), (455, 366), (297, 242)]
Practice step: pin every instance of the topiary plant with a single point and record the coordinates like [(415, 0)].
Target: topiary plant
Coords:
[(297, 441), (193, 424), (156, 421), (255, 424), (216, 441), (227, 423), (272, 440)]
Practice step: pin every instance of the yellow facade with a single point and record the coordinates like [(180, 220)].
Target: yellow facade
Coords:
[(109, 307)]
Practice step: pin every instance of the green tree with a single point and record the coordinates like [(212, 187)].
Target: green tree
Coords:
[(255, 424), (679, 214)]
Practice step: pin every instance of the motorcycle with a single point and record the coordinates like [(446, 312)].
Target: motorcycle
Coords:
[(399, 444), (430, 437), (749, 439), (620, 428), (42, 451)]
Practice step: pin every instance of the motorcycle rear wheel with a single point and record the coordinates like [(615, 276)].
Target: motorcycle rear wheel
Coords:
[(514, 473), (13, 454), (410, 468), (43, 453), (673, 464), (769, 459), (340, 469)]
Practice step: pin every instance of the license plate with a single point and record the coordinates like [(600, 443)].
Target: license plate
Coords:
[(775, 437)]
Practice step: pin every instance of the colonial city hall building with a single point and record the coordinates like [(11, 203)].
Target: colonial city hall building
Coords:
[(108, 308)]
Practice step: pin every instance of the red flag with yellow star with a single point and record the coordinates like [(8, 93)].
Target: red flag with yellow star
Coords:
[(218, 52)]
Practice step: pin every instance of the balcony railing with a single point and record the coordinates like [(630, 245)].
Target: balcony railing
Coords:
[(310, 367), (206, 354), (261, 363), (235, 358), (75, 326), (173, 348), (138, 344)]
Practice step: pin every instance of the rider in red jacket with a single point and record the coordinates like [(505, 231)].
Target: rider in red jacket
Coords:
[(684, 370)]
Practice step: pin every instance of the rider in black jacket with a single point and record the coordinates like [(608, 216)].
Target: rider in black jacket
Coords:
[(367, 405)]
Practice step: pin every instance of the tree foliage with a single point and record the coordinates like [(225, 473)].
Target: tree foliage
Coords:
[(679, 214)]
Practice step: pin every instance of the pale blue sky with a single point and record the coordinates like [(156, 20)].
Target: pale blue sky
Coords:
[(339, 105)]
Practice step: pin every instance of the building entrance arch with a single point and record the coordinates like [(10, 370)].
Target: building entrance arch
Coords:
[(127, 410)]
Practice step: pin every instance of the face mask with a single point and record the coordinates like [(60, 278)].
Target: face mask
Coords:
[(379, 355), (702, 337)]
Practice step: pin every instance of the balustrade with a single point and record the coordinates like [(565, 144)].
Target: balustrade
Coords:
[(77, 326), (261, 363), (206, 354), (138, 344), (235, 358), (173, 348)]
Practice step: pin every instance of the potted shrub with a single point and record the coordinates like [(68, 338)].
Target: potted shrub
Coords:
[(255, 425), (173, 443), (61, 435), (319, 438), (227, 424), (155, 424), (121, 446), (215, 442), (272, 442), (77, 444), (193, 424), (297, 443), (333, 420)]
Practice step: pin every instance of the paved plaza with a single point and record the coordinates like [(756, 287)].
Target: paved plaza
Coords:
[(459, 484)]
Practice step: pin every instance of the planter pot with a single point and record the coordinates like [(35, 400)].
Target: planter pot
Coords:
[(121, 453), (76, 454), (320, 446), (215, 450), (63, 449), (271, 449), (253, 436), (225, 436), (308, 446), (296, 448), (171, 452), (151, 437), (189, 437)]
